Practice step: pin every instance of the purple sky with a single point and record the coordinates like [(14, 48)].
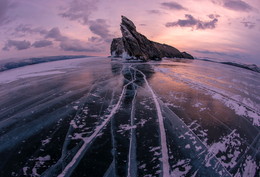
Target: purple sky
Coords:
[(223, 29)]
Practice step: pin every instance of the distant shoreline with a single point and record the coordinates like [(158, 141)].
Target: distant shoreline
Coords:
[(252, 67), (37, 60)]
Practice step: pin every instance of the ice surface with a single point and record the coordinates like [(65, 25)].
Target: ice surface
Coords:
[(165, 158), (96, 117), (218, 88), (39, 70)]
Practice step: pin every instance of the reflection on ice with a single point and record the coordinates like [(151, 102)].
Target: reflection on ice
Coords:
[(110, 118)]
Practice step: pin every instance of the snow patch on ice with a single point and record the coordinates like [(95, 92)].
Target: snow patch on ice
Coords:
[(242, 106), (198, 148), (75, 107), (73, 124), (155, 148), (181, 168), (46, 141), (142, 122), (25, 171), (39, 162), (187, 146), (200, 106), (142, 166), (239, 109), (228, 148), (126, 127), (250, 167)]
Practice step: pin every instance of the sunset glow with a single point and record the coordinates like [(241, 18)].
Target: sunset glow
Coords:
[(223, 29)]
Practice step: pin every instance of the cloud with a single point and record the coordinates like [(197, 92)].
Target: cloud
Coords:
[(79, 10), (42, 43), (173, 6), (95, 39), (65, 43), (78, 46), (55, 34), (27, 29), (100, 28), (4, 6), (68, 44), (19, 45), (237, 5), (190, 21), (249, 25), (212, 16), (157, 12), (94, 44)]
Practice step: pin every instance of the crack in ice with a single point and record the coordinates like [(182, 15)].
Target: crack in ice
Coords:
[(165, 158), (87, 141), (132, 169)]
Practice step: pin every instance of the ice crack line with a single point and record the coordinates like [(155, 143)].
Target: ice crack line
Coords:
[(165, 158), (87, 141), (224, 98), (132, 169), (211, 155)]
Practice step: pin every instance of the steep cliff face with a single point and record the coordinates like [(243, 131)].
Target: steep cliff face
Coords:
[(135, 45), (117, 47)]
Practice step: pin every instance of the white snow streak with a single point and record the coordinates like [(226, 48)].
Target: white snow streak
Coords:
[(74, 162), (165, 158), (131, 150), (241, 106)]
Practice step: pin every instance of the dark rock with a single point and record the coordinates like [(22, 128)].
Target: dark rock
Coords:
[(186, 55), (134, 45), (117, 47)]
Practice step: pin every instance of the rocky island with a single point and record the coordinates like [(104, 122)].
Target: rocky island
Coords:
[(134, 45)]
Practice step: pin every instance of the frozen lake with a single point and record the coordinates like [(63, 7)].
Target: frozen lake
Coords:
[(97, 117)]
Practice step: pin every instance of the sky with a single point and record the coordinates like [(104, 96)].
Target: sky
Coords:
[(218, 29)]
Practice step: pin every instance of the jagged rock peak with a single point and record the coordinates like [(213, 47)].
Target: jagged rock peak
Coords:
[(134, 45), (128, 23)]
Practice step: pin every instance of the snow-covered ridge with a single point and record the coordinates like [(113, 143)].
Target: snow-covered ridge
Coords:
[(252, 67), (41, 69), (6, 65)]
